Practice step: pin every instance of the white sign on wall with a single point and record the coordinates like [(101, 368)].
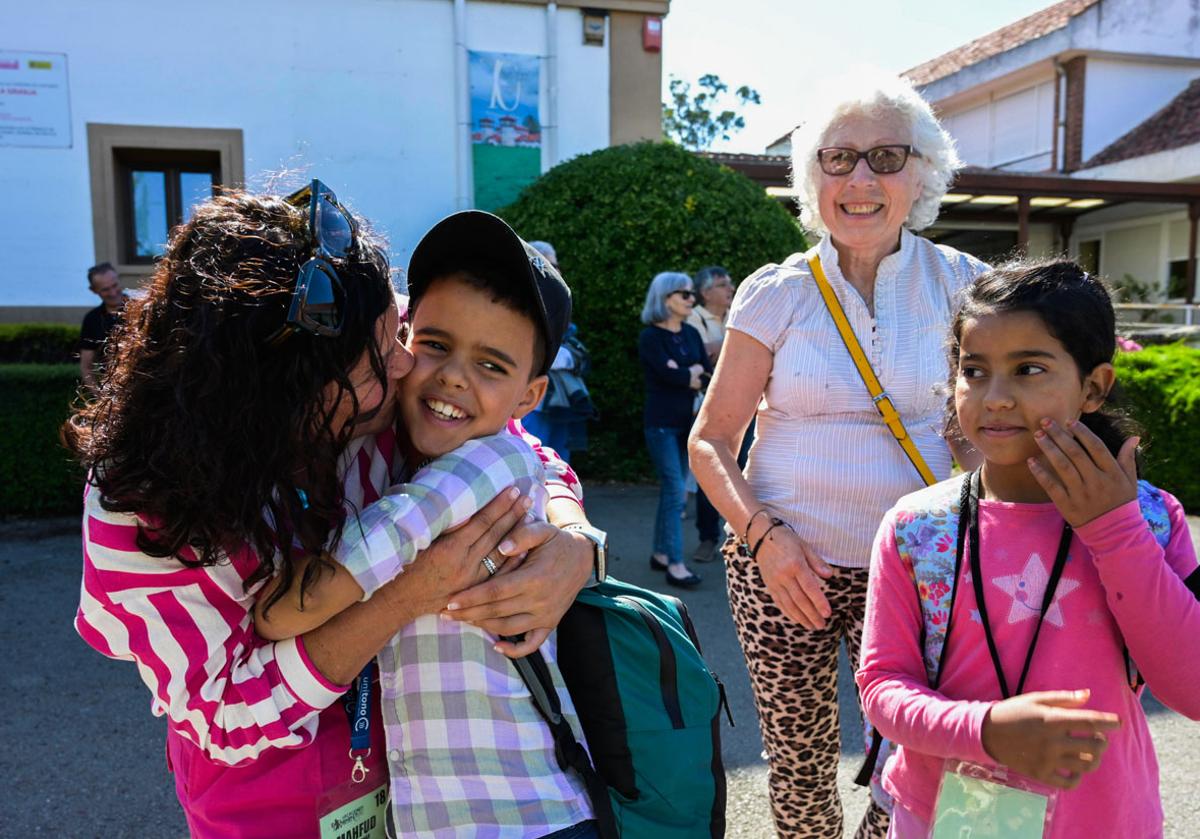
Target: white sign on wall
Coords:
[(35, 103)]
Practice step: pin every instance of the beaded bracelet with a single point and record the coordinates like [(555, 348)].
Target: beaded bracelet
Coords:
[(774, 524), (746, 532)]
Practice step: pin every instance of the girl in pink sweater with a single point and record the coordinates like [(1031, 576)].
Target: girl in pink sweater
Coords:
[(1006, 646)]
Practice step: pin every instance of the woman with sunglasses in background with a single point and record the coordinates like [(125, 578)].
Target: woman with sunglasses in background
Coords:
[(676, 367), (871, 167), (246, 417)]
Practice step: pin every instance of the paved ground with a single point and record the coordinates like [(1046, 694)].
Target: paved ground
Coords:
[(84, 757)]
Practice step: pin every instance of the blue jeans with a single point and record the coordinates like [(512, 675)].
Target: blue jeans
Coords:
[(583, 830), (668, 451), (556, 435)]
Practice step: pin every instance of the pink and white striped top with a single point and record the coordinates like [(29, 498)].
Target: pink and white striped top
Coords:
[(190, 630)]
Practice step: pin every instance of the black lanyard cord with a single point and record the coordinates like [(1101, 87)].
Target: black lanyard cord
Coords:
[(970, 512)]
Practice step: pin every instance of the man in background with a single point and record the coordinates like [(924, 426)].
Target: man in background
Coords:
[(715, 290), (99, 322)]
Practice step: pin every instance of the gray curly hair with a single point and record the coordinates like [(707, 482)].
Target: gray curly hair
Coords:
[(875, 94)]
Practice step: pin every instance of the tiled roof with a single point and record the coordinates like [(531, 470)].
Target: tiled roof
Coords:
[(1176, 125), (1048, 20)]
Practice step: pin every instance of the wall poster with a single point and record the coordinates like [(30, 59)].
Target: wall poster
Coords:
[(35, 104), (506, 129)]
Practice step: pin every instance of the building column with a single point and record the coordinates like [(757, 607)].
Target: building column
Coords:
[(1193, 219), (634, 82), (1076, 72), (1023, 225)]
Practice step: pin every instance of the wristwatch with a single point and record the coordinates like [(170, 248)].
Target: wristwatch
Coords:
[(600, 540)]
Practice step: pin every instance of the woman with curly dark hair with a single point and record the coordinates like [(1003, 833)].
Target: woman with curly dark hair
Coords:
[(245, 418)]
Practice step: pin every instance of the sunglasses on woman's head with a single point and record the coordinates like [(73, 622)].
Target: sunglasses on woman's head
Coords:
[(882, 160), (685, 293), (318, 301)]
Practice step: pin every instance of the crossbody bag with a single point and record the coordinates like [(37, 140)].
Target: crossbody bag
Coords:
[(876, 753)]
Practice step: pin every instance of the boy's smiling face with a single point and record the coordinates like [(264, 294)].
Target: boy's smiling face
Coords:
[(473, 367)]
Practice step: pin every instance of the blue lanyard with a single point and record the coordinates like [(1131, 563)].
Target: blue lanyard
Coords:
[(357, 703)]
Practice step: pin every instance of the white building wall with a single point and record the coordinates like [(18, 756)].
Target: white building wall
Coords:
[(1011, 129), (583, 83), (1119, 94), (1135, 251), (1142, 246), (358, 93), (1165, 28)]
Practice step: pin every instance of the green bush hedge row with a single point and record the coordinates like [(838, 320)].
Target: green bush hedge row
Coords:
[(37, 476), (1162, 389), (617, 217), (38, 343)]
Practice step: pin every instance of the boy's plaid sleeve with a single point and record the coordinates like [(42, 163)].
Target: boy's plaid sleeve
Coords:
[(388, 534)]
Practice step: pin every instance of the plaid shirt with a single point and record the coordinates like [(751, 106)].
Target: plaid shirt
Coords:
[(468, 753)]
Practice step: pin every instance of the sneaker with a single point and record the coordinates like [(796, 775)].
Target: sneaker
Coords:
[(706, 551)]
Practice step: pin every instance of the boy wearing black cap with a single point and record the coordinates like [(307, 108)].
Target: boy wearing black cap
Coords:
[(468, 752), (488, 314)]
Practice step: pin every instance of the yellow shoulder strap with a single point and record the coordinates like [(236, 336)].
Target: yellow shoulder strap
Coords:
[(879, 396)]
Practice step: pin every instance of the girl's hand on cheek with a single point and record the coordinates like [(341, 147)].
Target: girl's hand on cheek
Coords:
[(1047, 736), (1079, 473)]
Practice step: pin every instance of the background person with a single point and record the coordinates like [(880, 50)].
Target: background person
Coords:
[(675, 365), (99, 322), (871, 167), (714, 291), (560, 419), (1048, 697), (249, 415)]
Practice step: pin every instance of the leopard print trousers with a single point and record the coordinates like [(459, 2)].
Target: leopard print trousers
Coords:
[(793, 671)]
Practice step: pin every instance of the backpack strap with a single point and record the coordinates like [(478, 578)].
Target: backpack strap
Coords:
[(879, 397), (931, 544), (567, 749), (1158, 519)]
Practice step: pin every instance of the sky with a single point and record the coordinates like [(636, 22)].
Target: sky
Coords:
[(783, 47)]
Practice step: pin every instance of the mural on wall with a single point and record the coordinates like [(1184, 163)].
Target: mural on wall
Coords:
[(506, 128)]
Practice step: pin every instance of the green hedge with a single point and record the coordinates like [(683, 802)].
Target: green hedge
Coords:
[(619, 216), (37, 476), (1162, 388), (38, 343)]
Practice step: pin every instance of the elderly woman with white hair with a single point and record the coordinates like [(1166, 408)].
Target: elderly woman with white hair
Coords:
[(676, 366), (871, 169)]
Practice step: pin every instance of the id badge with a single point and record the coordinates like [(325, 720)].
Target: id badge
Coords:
[(978, 802), (354, 811)]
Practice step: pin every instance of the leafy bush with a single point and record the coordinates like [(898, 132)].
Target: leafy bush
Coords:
[(37, 476), (619, 216), (1162, 388), (38, 343)]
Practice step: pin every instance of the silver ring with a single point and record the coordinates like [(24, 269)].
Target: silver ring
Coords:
[(490, 565)]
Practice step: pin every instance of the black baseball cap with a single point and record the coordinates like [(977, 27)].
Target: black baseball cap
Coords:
[(476, 238)]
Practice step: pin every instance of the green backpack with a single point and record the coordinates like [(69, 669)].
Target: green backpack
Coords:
[(650, 711)]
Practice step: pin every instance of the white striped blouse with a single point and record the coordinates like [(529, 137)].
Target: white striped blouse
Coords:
[(822, 459)]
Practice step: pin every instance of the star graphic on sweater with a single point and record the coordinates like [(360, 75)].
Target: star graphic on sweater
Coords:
[(1027, 589)]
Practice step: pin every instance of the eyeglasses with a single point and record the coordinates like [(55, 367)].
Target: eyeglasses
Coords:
[(686, 294), (882, 160), (318, 302)]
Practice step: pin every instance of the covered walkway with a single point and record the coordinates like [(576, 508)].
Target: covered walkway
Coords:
[(990, 195)]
